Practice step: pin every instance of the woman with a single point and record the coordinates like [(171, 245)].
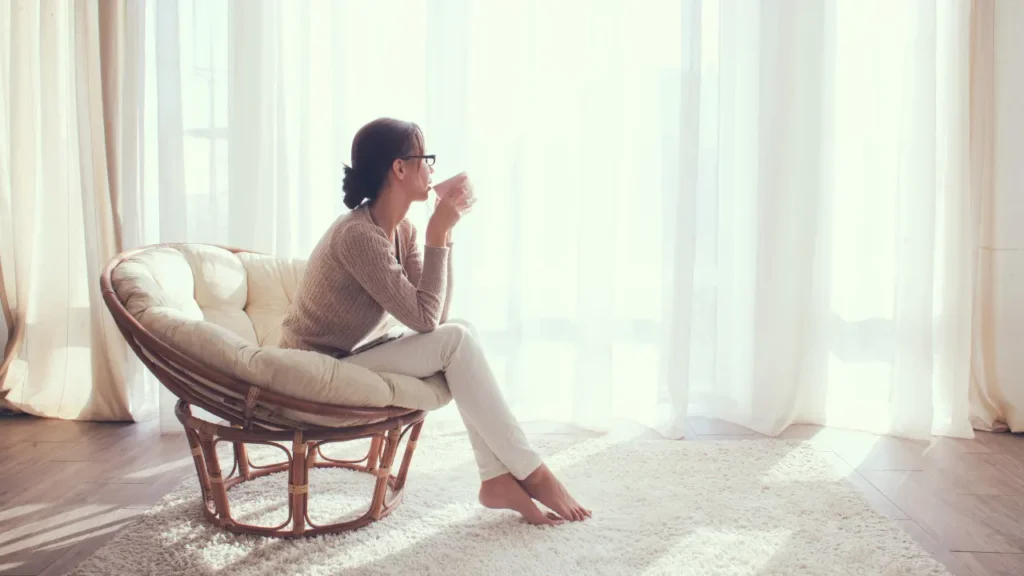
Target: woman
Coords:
[(367, 276)]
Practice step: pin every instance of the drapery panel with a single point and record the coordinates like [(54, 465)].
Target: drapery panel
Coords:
[(68, 153)]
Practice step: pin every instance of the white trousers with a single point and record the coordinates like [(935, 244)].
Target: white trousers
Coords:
[(498, 441)]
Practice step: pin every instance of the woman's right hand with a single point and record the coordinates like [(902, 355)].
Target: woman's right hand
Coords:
[(447, 212)]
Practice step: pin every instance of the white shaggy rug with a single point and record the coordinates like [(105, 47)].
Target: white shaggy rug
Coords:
[(760, 507)]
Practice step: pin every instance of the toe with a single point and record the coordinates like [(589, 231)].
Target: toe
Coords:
[(552, 519)]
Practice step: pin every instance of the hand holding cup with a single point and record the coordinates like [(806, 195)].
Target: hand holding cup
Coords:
[(458, 190)]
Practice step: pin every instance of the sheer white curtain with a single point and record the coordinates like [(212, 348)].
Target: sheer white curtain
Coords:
[(759, 211), (836, 226), (564, 113)]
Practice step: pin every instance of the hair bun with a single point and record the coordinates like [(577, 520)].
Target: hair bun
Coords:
[(355, 188)]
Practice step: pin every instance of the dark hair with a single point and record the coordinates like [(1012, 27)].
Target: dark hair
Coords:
[(375, 148)]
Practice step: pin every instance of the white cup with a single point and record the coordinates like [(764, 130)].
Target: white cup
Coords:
[(453, 184)]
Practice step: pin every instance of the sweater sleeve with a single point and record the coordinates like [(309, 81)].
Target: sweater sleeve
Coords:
[(414, 266), (411, 257), (448, 288), (366, 253)]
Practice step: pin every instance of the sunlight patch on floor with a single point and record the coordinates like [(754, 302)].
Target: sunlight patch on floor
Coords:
[(160, 470), (745, 552)]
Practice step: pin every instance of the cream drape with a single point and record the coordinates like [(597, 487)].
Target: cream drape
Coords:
[(68, 155), (997, 58)]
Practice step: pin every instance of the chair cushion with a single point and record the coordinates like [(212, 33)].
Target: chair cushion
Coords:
[(224, 311), (273, 283)]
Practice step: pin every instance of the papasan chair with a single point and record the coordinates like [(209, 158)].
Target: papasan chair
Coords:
[(206, 320)]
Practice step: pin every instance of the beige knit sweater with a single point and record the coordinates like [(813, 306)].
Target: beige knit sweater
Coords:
[(353, 280)]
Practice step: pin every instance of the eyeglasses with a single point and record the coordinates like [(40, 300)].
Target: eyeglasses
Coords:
[(430, 158)]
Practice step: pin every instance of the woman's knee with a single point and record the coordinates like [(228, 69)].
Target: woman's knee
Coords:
[(465, 324), (456, 337), (455, 332)]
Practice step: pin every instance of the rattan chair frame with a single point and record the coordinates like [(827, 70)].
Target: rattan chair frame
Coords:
[(191, 382)]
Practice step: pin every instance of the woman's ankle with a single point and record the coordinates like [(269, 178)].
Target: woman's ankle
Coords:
[(537, 470)]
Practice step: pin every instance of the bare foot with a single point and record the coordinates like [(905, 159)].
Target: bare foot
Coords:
[(504, 493), (543, 486)]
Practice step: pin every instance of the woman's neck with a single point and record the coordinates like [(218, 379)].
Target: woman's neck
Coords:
[(388, 210)]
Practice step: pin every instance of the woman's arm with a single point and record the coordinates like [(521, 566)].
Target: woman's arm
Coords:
[(414, 266), (416, 301)]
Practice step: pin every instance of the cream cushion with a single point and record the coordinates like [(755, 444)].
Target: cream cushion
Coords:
[(224, 311)]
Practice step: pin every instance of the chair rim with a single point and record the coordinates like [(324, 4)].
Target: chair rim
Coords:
[(140, 339)]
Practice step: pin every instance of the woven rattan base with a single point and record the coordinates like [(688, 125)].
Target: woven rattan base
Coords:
[(304, 451)]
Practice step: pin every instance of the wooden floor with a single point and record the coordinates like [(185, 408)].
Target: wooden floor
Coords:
[(67, 487)]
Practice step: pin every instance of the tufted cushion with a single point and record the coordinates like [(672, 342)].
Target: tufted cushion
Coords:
[(221, 287), (158, 277), (225, 311), (272, 286)]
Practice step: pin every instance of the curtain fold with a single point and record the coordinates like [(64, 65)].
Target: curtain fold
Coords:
[(66, 152)]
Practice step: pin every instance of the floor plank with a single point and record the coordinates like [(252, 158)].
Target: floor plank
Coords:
[(991, 564), (37, 541), (68, 487), (933, 547), (962, 522)]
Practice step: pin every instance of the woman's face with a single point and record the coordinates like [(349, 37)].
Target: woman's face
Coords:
[(423, 179), (414, 177)]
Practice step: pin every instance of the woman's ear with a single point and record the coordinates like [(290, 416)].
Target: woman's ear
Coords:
[(398, 166)]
